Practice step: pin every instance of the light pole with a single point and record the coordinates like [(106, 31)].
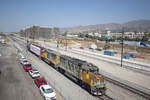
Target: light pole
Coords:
[(122, 46), (66, 40)]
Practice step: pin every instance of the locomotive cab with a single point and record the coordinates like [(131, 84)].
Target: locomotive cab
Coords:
[(95, 81), (99, 85)]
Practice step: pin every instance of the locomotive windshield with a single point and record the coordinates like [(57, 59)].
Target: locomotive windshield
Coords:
[(93, 68)]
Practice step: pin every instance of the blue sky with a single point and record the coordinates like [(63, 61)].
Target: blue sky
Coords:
[(17, 14)]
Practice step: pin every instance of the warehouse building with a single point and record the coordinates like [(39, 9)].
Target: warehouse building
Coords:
[(38, 32)]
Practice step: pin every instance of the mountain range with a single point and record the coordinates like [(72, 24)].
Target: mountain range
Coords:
[(131, 26)]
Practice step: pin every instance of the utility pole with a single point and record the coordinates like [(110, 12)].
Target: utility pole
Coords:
[(122, 46), (57, 32), (66, 40), (33, 32)]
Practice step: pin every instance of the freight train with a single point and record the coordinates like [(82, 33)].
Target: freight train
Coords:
[(83, 73)]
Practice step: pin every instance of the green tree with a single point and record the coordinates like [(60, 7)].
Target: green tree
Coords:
[(144, 38), (137, 39), (114, 37), (119, 38), (126, 38)]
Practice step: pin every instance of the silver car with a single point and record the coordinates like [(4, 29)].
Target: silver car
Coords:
[(34, 73)]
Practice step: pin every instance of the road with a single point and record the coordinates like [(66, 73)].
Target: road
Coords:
[(15, 83)]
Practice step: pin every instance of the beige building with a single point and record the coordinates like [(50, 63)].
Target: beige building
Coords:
[(36, 32)]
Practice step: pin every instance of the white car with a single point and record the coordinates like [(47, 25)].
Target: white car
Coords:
[(47, 92), (34, 73), (23, 61), (22, 57)]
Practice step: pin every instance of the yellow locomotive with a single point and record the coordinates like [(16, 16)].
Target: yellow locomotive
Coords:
[(51, 57), (83, 73)]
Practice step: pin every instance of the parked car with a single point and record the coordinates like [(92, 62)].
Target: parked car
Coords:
[(23, 61), (34, 73), (21, 56), (81, 48), (98, 49), (40, 81), (27, 67), (47, 92), (106, 47)]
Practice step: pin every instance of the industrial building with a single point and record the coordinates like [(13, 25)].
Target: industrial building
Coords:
[(36, 32)]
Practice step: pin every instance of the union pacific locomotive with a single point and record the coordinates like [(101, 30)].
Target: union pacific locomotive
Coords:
[(83, 73)]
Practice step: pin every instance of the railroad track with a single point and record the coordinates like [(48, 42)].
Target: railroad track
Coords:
[(111, 59), (127, 63), (105, 97), (129, 88), (124, 86)]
